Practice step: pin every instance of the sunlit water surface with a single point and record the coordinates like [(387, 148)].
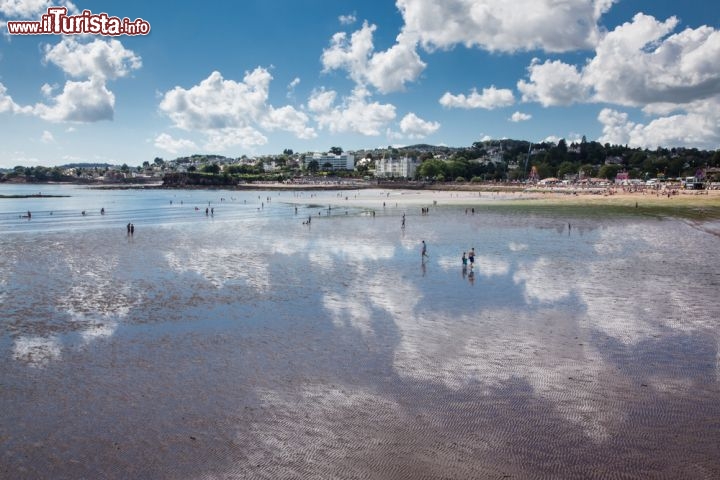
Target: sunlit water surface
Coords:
[(249, 343)]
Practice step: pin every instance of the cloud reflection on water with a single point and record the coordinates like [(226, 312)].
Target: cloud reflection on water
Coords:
[(36, 352), (543, 281), (547, 343)]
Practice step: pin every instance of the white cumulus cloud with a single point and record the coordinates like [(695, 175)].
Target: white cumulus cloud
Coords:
[(289, 119), (174, 145), (489, 99), (246, 137), (673, 77), (638, 63), (347, 19), (231, 112), (8, 105), (355, 114), (499, 25), (322, 100), (85, 102), (107, 59), (387, 71), (553, 83), (415, 127), (520, 117), (699, 126)]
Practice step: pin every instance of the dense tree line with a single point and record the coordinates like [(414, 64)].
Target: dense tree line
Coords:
[(589, 159), (36, 174)]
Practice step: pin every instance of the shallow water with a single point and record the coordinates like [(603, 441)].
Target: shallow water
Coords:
[(249, 344)]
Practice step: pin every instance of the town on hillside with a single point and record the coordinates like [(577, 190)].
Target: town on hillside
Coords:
[(494, 161)]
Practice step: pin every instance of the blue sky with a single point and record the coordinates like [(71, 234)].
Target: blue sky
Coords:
[(257, 77)]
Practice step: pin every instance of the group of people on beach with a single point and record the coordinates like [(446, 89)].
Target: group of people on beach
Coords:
[(130, 229), (468, 256)]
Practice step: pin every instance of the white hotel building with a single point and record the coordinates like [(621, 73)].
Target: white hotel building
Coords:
[(344, 161), (396, 167)]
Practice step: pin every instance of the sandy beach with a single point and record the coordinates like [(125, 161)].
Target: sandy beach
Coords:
[(704, 204)]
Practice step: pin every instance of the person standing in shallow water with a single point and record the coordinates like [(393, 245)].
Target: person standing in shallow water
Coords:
[(423, 254), (132, 229)]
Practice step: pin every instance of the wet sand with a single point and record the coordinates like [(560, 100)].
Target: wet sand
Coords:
[(259, 347), (371, 197)]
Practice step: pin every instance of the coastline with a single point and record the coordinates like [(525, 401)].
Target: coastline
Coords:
[(703, 205), (700, 205)]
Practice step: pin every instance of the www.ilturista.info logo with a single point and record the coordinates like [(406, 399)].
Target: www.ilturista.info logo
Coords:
[(57, 22)]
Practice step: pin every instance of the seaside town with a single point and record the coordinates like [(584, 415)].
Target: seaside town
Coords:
[(584, 163)]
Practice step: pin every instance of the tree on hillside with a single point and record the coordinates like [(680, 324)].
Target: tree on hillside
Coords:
[(562, 146), (608, 171), (431, 168), (567, 168), (213, 168), (588, 170), (336, 150), (313, 166)]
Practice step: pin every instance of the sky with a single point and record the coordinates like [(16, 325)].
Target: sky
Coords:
[(256, 77)]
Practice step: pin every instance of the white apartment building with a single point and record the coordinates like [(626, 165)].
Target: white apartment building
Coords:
[(344, 161), (396, 167)]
